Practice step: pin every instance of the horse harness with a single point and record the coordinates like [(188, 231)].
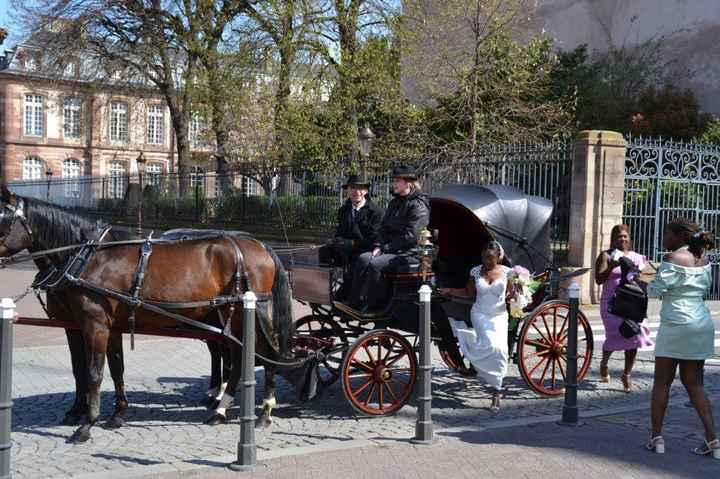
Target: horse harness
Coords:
[(70, 271)]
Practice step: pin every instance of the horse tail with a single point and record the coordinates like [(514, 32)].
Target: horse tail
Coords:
[(281, 304)]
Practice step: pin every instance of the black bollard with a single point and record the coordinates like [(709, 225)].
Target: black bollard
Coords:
[(6, 344), (423, 425), (570, 416), (246, 450)]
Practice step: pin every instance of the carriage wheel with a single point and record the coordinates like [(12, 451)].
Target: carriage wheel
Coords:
[(543, 345), (379, 372), (456, 361), (325, 328)]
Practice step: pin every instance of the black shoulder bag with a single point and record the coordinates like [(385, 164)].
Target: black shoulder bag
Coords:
[(629, 302)]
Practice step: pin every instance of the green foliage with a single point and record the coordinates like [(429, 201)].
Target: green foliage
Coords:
[(509, 94), (668, 112), (712, 132)]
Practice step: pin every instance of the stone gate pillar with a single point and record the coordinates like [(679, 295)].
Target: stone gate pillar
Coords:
[(598, 183)]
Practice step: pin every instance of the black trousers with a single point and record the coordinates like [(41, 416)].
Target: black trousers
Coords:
[(368, 285)]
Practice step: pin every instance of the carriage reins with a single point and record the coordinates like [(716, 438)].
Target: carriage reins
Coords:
[(74, 267)]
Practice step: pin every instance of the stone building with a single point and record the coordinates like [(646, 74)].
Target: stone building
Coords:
[(67, 126)]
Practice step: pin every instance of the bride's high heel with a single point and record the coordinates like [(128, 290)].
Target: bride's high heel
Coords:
[(656, 445)]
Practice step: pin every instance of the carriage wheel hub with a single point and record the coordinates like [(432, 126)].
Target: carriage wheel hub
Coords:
[(382, 374)]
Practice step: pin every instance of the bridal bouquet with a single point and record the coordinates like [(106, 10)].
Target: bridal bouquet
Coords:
[(524, 287)]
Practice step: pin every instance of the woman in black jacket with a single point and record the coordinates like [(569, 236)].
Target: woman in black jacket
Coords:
[(407, 214)]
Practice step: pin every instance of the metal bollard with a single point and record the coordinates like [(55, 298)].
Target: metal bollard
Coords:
[(570, 414), (6, 344), (423, 425), (246, 449)]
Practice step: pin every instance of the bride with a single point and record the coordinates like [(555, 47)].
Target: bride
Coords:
[(485, 343)]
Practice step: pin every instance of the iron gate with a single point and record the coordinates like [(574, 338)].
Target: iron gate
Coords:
[(665, 179)]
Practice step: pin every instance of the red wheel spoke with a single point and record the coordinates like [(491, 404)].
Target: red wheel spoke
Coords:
[(389, 351), (562, 371), (398, 370), (359, 375), (364, 366), (547, 328), (541, 334), (357, 392), (562, 328), (537, 353), (395, 359), (542, 377), (553, 374), (392, 393), (372, 390), (544, 360), (380, 396), (538, 344), (370, 356), (554, 323)]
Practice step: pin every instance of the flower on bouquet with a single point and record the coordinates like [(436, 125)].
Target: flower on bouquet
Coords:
[(524, 288)]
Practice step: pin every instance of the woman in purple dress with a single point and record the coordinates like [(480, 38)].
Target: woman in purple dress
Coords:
[(608, 274)]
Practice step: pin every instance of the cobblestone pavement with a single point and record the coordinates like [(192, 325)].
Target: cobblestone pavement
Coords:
[(604, 447), (166, 379)]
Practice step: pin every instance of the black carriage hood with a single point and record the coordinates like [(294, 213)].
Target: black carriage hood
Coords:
[(520, 223)]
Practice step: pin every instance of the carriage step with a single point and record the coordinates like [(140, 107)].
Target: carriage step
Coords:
[(359, 315)]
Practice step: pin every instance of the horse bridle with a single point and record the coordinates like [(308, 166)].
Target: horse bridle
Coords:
[(17, 215)]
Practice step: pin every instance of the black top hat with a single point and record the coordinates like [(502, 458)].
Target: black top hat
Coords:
[(356, 181), (405, 172)]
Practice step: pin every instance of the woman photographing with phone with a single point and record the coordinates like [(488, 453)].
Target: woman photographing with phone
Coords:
[(608, 274)]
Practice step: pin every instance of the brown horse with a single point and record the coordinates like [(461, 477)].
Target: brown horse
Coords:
[(181, 271)]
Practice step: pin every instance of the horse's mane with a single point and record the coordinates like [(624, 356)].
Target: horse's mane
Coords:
[(56, 226)]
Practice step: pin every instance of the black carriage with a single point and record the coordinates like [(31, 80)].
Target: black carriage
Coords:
[(376, 357)]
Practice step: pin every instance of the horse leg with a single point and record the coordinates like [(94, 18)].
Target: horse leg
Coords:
[(96, 343), (269, 401), (227, 398), (215, 386), (116, 364), (79, 370)]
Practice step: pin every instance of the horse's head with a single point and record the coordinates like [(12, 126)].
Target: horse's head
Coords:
[(15, 233)]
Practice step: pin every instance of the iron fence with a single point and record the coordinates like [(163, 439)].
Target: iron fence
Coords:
[(665, 179), (293, 200)]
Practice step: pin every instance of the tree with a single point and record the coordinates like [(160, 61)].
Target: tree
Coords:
[(669, 112), (129, 43), (481, 82)]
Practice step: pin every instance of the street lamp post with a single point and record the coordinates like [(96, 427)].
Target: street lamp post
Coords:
[(366, 137), (140, 160), (48, 175)]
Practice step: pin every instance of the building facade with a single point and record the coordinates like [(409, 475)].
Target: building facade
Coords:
[(66, 127)]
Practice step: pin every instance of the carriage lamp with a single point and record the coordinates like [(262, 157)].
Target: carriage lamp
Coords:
[(366, 137), (140, 160), (425, 243)]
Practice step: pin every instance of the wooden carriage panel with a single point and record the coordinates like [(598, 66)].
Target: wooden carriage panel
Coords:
[(311, 283)]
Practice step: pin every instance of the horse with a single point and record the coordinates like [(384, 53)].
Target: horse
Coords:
[(191, 271)]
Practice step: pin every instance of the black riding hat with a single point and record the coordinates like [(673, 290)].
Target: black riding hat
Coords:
[(405, 172), (356, 181)]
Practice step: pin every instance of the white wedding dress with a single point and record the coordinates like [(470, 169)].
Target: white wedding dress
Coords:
[(485, 344)]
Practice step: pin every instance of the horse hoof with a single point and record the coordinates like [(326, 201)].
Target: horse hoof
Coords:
[(80, 436), (115, 422), (71, 420), (216, 419), (264, 422)]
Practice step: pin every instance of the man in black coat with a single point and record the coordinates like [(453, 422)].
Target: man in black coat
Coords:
[(358, 225), (407, 214)]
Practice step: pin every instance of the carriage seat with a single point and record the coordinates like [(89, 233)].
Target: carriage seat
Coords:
[(405, 268), (189, 234)]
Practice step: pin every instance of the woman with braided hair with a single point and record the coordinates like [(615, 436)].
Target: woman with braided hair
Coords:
[(686, 335)]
